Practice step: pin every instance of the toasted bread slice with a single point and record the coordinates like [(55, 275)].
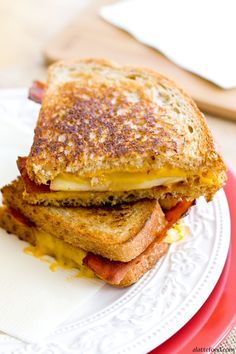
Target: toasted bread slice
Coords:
[(134, 269), (118, 233), (122, 132), (15, 217)]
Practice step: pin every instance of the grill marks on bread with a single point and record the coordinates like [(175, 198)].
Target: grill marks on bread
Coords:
[(97, 116), (89, 122)]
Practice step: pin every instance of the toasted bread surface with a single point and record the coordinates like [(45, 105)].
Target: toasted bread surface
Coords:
[(98, 116), (119, 233)]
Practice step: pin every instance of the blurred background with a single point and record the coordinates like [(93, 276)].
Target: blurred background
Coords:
[(25, 28), (35, 33)]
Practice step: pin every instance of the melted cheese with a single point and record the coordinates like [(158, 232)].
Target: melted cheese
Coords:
[(177, 232), (122, 181), (67, 256)]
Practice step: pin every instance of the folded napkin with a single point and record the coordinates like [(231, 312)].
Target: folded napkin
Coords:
[(197, 35), (33, 299)]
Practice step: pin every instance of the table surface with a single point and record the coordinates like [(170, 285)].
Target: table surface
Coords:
[(25, 28)]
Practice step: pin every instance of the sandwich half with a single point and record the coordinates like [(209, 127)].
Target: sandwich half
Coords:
[(118, 244), (109, 134)]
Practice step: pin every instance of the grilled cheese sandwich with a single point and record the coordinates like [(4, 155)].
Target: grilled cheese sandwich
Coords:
[(140, 234), (119, 155)]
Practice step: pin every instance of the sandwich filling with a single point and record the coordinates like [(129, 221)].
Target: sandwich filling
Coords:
[(123, 181), (118, 182), (113, 182)]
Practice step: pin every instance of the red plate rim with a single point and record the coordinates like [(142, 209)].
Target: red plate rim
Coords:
[(216, 318)]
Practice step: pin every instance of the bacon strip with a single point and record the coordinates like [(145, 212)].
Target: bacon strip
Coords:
[(20, 217), (114, 271), (36, 91), (30, 186)]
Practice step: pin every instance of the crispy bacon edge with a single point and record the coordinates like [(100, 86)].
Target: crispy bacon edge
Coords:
[(20, 217), (111, 271), (36, 91), (30, 186)]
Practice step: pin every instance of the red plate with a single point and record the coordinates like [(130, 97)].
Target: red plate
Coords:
[(217, 316)]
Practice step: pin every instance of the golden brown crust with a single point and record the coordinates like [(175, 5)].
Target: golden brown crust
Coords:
[(98, 116), (118, 233)]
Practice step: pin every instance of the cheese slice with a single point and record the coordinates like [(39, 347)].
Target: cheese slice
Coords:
[(122, 181)]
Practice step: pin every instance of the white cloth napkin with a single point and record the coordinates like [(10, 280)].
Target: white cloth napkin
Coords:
[(33, 299), (198, 35)]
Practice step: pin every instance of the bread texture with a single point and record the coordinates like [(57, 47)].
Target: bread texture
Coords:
[(118, 233), (99, 117)]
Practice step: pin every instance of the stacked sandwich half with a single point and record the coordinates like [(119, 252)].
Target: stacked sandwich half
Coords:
[(119, 156)]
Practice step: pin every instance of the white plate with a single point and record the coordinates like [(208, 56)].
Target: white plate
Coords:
[(137, 319)]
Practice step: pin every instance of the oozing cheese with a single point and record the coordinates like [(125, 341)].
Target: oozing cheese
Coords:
[(122, 181), (65, 254), (177, 232)]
